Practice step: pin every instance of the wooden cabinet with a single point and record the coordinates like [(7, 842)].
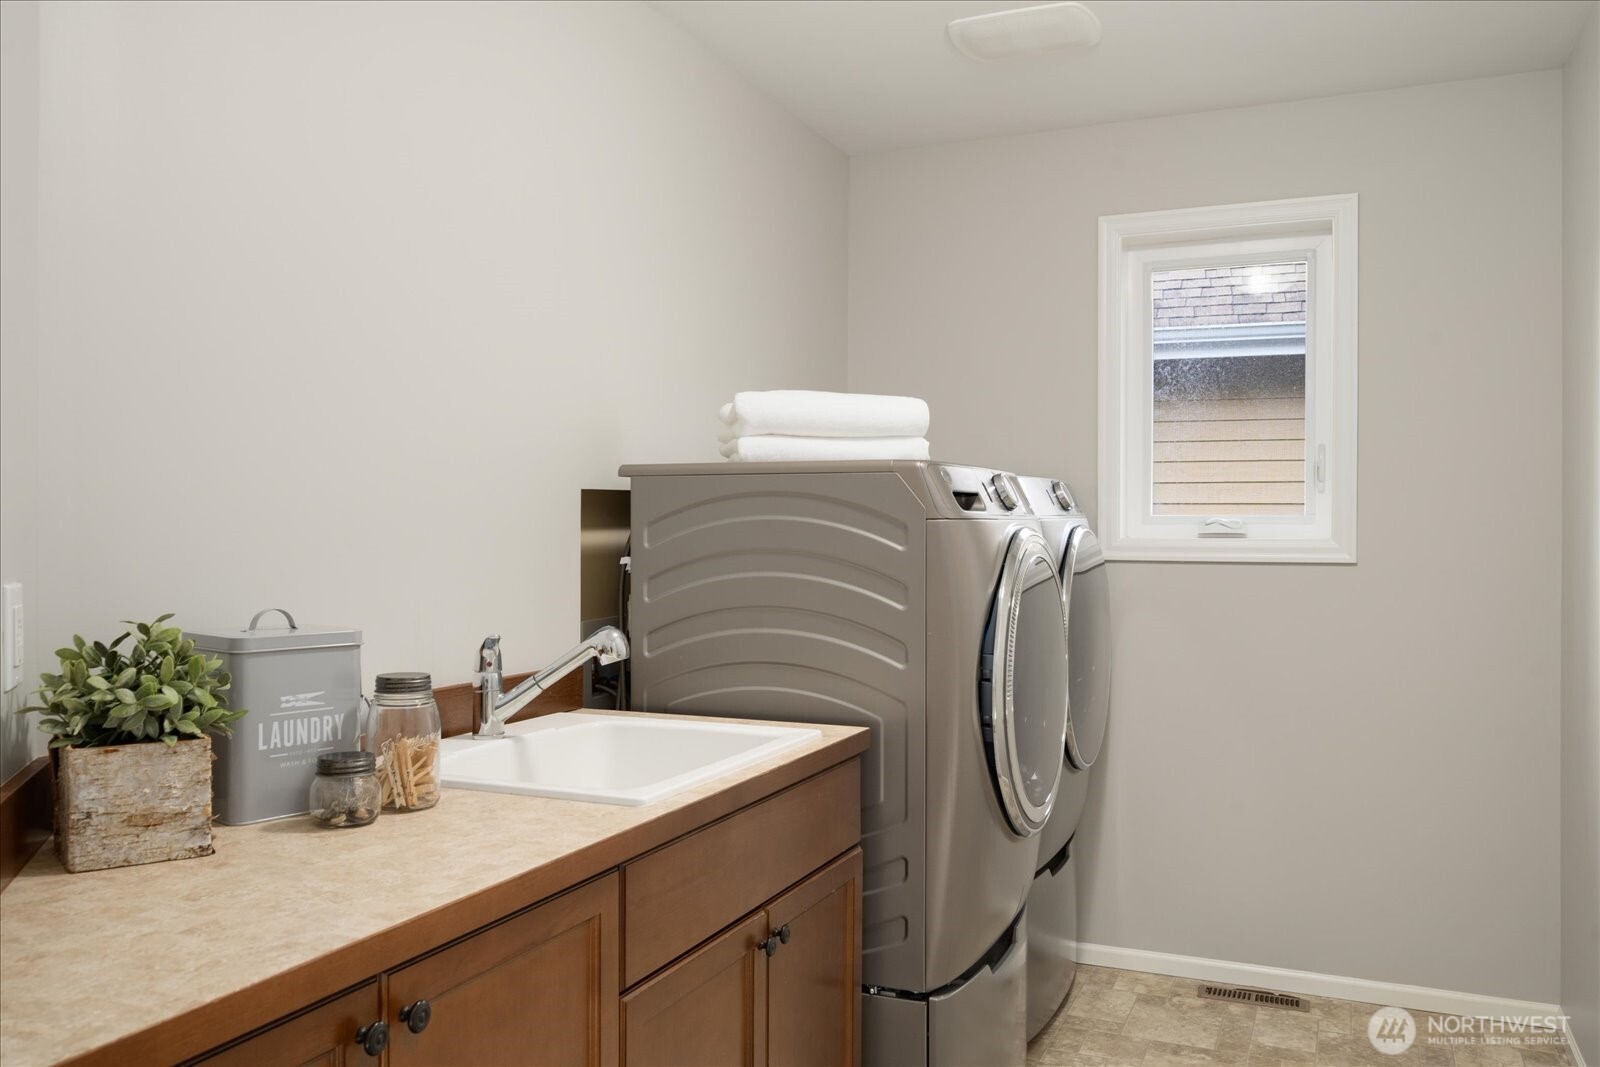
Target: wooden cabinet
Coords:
[(704, 1009), (324, 1036), (779, 989), (740, 942), (537, 988), (685, 891), (814, 980)]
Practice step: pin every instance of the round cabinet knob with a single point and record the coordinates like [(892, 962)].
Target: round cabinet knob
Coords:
[(783, 933), (373, 1038), (1004, 493), (416, 1016), (1062, 494), (770, 947)]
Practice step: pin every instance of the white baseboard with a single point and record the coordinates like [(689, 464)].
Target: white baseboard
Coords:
[(1573, 1050), (1421, 998)]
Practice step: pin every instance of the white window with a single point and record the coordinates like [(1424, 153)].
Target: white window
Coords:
[(1228, 383)]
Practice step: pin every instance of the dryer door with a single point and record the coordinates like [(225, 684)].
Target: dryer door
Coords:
[(1022, 683), (1083, 574)]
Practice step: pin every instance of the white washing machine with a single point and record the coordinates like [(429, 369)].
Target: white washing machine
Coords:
[(921, 600), (1053, 901)]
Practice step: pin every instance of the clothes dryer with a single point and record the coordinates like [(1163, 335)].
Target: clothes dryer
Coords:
[(1053, 900)]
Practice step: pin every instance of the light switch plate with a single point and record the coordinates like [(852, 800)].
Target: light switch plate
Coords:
[(11, 646)]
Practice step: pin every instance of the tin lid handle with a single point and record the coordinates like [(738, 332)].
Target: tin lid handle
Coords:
[(268, 611)]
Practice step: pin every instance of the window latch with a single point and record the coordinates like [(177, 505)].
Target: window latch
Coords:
[(1320, 468), (1220, 527)]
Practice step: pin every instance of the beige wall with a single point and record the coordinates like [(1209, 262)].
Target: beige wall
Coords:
[(1580, 725), (341, 305), (19, 362), (1343, 769)]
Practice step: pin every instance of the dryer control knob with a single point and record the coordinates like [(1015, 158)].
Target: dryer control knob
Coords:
[(1004, 493), (1062, 494)]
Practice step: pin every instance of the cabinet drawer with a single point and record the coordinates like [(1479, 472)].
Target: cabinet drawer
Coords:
[(682, 893)]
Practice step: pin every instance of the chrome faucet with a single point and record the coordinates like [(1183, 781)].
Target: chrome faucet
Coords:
[(607, 645)]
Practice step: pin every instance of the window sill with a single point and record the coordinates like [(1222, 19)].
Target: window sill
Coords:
[(1207, 550)]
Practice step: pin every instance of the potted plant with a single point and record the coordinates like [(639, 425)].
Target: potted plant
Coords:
[(121, 797)]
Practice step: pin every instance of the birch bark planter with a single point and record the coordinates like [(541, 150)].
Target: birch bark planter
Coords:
[(121, 805)]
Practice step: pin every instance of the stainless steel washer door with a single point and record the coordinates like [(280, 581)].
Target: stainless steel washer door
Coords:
[(1083, 571), (1023, 683)]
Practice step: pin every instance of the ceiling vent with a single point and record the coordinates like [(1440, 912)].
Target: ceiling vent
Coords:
[(1026, 31)]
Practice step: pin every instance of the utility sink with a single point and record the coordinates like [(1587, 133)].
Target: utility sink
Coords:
[(610, 759)]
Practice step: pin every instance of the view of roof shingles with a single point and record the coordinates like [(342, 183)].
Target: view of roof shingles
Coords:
[(1225, 296)]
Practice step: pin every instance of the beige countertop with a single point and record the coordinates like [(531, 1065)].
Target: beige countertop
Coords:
[(88, 960)]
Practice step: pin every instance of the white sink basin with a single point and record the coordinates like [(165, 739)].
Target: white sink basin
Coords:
[(610, 759)]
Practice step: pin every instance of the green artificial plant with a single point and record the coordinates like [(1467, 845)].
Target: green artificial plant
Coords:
[(160, 690)]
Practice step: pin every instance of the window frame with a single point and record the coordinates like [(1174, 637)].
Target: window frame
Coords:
[(1321, 230)]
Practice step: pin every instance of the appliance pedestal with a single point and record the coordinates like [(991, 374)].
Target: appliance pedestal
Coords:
[(1052, 941), (977, 1020)]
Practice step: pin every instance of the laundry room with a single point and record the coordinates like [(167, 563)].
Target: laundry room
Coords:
[(832, 533)]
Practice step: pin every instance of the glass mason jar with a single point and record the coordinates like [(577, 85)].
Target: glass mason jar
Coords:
[(345, 791), (403, 732)]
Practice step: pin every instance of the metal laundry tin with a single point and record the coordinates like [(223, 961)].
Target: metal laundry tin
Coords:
[(302, 687)]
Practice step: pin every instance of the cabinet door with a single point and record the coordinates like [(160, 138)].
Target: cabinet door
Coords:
[(325, 1036), (539, 988), (706, 1010), (814, 979)]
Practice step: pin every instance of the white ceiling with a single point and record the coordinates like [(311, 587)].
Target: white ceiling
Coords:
[(876, 74)]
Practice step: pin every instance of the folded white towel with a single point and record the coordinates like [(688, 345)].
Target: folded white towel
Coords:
[(802, 413), (777, 448)]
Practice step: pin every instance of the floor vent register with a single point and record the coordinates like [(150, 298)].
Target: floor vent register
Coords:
[(1246, 995)]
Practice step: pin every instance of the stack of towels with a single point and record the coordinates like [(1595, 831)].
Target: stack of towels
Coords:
[(792, 424)]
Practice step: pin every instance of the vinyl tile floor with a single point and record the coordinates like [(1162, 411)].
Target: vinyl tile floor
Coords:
[(1129, 1019)]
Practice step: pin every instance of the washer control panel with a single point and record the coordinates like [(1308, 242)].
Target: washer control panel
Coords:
[(984, 491), (1047, 496)]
